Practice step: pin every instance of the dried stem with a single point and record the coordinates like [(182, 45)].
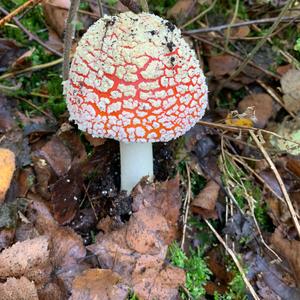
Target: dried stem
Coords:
[(33, 68), (241, 24), (101, 13), (69, 35), (31, 35), (227, 35), (279, 180), (236, 261), (186, 205), (19, 9)]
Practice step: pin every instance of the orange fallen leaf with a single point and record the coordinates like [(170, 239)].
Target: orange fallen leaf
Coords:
[(7, 168)]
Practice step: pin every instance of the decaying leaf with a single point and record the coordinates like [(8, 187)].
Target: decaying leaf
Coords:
[(99, 284), (205, 202), (221, 65), (153, 279), (29, 258), (18, 289), (289, 129), (6, 237), (7, 169), (7, 121), (57, 155), (289, 250), (55, 16), (65, 196), (181, 10), (137, 250), (67, 247), (262, 104), (290, 84)]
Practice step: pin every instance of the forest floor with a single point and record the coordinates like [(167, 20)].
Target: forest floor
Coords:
[(221, 219)]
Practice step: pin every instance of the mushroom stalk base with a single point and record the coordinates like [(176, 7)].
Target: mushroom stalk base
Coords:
[(136, 162)]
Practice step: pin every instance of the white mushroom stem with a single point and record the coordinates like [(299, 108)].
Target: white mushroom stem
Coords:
[(136, 162)]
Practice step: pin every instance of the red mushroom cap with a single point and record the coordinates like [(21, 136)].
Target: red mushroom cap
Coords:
[(135, 79)]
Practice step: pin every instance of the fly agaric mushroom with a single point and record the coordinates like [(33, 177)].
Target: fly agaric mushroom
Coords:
[(135, 79)]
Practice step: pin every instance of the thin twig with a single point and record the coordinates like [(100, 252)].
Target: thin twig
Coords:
[(35, 107), (32, 68), (186, 205), (31, 35), (227, 35), (241, 24), (69, 35), (279, 180), (236, 261), (101, 13), (15, 12), (244, 128)]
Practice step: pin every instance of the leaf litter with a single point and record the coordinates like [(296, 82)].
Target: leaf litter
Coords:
[(66, 232)]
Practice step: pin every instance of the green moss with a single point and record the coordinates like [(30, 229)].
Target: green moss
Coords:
[(197, 272)]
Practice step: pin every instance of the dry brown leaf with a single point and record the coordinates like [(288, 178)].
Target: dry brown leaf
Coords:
[(7, 122), (18, 289), (94, 141), (153, 279), (181, 10), (293, 165), (289, 250), (205, 203), (57, 155), (67, 247), (99, 284), (6, 237), (7, 169), (165, 197), (30, 258), (262, 104), (221, 65), (238, 32), (281, 70), (290, 84), (55, 17), (137, 251), (59, 3), (146, 231)]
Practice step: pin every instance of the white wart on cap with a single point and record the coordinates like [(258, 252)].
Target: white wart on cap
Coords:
[(135, 79)]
